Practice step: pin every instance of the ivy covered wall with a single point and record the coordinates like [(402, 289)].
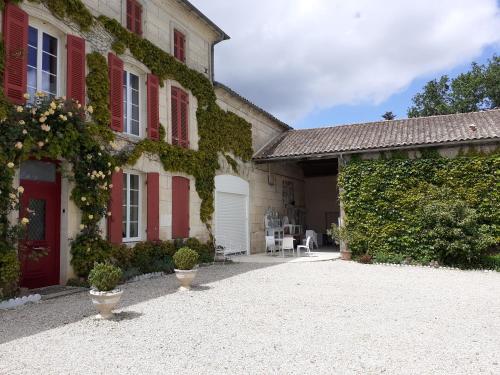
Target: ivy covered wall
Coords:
[(423, 210)]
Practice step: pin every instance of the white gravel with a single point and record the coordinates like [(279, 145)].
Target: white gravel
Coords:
[(292, 318)]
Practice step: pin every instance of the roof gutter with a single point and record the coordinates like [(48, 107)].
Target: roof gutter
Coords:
[(332, 155)]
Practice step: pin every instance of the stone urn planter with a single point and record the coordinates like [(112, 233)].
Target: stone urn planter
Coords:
[(105, 302), (186, 277), (345, 255), (104, 294), (186, 266)]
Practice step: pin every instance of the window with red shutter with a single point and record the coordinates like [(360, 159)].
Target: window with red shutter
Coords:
[(134, 16), (15, 31), (76, 68), (116, 92), (153, 107), (115, 225), (180, 207), (153, 229), (179, 46), (180, 117)]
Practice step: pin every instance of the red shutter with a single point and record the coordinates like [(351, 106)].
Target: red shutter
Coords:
[(116, 92), (115, 226), (184, 120), (130, 15), (180, 117), (15, 31), (180, 207), (76, 68), (153, 206), (175, 116), (153, 107), (179, 46), (138, 18)]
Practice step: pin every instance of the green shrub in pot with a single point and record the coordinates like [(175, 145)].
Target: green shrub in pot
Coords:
[(105, 277), (185, 259)]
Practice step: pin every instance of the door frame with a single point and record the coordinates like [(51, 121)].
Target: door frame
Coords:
[(231, 184), (56, 223)]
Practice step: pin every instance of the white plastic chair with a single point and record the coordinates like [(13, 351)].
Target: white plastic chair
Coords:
[(306, 247), (287, 245), (314, 237), (270, 245)]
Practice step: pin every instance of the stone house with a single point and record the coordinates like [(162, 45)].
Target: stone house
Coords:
[(293, 173)]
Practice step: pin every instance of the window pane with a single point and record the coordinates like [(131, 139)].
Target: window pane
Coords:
[(33, 36), (134, 182), (32, 56), (38, 171), (49, 44), (49, 83), (36, 226), (134, 128), (134, 198), (134, 81), (49, 63), (134, 213), (125, 99), (135, 97), (134, 230), (32, 77), (135, 113)]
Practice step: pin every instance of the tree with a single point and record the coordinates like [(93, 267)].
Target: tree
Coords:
[(475, 90), (389, 116)]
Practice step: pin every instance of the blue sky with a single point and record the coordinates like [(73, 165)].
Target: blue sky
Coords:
[(397, 103), (323, 62)]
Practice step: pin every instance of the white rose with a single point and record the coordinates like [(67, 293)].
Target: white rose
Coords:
[(25, 220), (20, 189), (19, 145), (10, 164)]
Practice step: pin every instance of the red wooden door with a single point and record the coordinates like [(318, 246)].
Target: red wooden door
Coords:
[(39, 251), (180, 207)]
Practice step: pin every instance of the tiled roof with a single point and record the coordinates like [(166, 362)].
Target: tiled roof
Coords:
[(434, 130), (254, 106)]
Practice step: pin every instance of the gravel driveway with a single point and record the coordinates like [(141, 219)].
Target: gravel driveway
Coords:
[(302, 318)]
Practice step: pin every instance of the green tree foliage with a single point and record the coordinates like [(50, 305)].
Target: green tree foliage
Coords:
[(388, 116), (475, 90)]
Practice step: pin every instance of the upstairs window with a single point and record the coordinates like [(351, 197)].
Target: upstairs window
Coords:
[(131, 115), (42, 62), (134, 16), (179, 46), (180, 117)]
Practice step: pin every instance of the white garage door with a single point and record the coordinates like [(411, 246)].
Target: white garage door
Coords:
[(231, 213), (231, 227)]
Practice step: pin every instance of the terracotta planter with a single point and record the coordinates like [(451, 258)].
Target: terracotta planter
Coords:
[(186, 277), (345, 255), (105, 302)]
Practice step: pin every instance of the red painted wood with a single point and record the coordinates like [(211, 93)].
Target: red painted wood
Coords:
[(179, 46), (134, 16), (76, 68), (138, 18), (116, 92), (153, 88), (115, 227), (44, 271), (15, 31), (180, 117), (153, 184), (180, 207)]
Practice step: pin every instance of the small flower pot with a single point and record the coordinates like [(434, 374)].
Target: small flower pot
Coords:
[(186, 277), (345, 255), (105, 302)]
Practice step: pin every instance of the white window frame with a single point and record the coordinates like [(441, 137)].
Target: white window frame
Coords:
[(127, 237), (39, 56), (127, 121)]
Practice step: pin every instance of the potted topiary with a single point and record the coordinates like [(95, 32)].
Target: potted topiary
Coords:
[(103, 279), (186, 265)]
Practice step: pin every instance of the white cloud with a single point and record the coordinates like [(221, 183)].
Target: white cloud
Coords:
[(295, 56)]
